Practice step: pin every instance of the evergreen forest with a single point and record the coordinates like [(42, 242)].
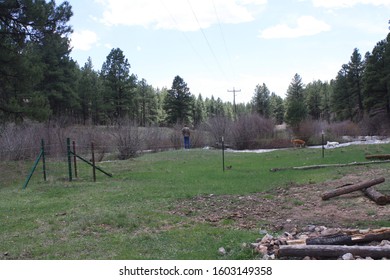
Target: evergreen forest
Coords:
[(40, 81)]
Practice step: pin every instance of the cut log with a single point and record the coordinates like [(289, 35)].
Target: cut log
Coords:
[(352, 188), (383, 157), (333, 251), (376, 196), (369, 237), (335, 239)]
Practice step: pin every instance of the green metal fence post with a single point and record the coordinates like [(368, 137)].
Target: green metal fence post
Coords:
[(69, 158), (43, 159), (32, 170), (223, 154), (93, 161), (74, 159)]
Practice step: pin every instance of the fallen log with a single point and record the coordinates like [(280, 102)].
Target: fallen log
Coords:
[(333, 251), (376, 196), (369, 237), (344, 238), (383, 157), (352, 188), (335, 239), (308, 167)]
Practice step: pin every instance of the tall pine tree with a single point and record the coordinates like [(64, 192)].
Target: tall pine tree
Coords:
[(296, 110), (119, 87), (261, 100), (178, 102)]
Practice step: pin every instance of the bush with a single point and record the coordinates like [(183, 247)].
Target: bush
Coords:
[(249, 129), (376, 125), (219, 126), (20, 142), (128, 141), (345, 128)]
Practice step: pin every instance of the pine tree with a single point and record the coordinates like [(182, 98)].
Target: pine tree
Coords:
[(27, 29), (178, 102), (355, 80), (148, 103), (296, 110), (119, 86), (90, 93), (277, 110), (341, 98), (199, 114), (261, 100), (377, 79), (313, 94)]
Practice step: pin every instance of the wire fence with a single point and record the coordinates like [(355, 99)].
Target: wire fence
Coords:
[(17, 164)]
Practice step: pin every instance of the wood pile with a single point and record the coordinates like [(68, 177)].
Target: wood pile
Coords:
[(319, 242)]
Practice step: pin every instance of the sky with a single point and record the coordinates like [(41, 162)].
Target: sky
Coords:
[(221, 46)]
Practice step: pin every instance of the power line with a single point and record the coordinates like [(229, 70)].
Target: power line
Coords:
[(223, 36), (207, 41), (185, 36)]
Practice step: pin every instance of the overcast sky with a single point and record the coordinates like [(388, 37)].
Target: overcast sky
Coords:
[(218, 45)]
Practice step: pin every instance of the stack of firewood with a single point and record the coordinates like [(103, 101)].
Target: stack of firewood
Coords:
[(366, 187), (323, 243)]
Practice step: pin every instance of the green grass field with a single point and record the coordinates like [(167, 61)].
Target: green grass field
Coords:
[(128, 216)]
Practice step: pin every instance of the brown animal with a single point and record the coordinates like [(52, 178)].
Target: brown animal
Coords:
[(298, 143)]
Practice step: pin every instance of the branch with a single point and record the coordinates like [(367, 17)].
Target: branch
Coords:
[(328, 165)]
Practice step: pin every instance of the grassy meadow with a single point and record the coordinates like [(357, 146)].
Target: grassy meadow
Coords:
[(130, 215)]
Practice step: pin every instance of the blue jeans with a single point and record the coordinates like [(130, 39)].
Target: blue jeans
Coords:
[(186, 142)]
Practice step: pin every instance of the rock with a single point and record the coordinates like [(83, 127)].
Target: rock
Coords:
[(303, 237), (267, 238), (262, 249), (268, 257), (320, 229), (255, 245), (385, 243), (310, 228), (263, 232), (330, 231), (222, 251), (348, 256)]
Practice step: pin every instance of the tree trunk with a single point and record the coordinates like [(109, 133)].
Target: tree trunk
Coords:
[(352, 188), (333, 251), (376, 196)]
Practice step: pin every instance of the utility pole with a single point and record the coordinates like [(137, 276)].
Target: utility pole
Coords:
[(234, 99)]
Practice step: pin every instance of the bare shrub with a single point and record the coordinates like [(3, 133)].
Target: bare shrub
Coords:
[(199, 138), (249, 129), (344, 128), (84, 136), (219, 126), (128, 141), (176, 137), (21, 142), (310, 131), (156, 138), (375, 125)]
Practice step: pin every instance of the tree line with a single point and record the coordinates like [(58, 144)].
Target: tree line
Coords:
[(39, 80)]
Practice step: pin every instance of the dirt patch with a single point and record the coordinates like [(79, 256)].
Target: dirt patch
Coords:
[(289, 207)]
